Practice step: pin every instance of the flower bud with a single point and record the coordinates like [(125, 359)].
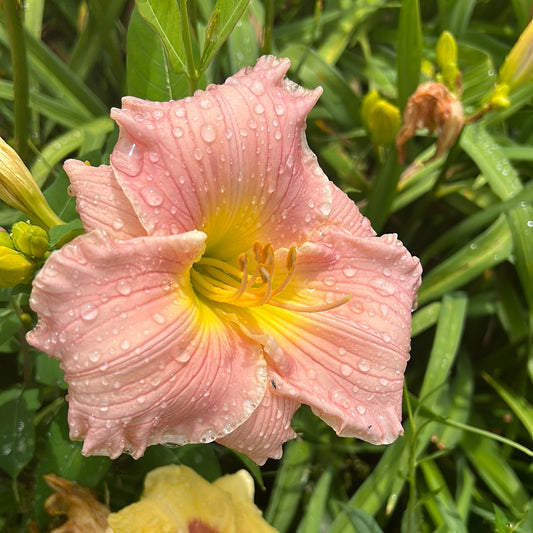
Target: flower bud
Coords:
[(5, 239), (517, 68), (15, 268), (446, 56), (30, 240), (19, 190), (381, 118)]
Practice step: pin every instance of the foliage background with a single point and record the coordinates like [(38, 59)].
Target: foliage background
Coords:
[(463, 464)]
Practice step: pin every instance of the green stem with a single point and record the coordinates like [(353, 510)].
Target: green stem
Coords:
[(269, 23), (192, 74), (15, 30)]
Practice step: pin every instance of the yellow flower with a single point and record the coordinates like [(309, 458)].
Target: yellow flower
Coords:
[(19, 190), (517, 68), (175, 499)]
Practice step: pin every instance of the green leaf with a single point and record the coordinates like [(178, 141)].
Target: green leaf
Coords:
[(313, 520), (9, 324), (362, 521), (165, 18), (409, 50), (519, 405), (17, 435), (220, 24), (287, 492), (489, 249), (47, 371), (149, 74), (60, 235), (505, 182)]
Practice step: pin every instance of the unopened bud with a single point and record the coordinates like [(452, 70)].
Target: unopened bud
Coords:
[(15, 268), (19, 190), (517, 68), (381, 118), (446, 56), (30, 240)]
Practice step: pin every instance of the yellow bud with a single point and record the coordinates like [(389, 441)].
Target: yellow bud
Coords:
[(15, 268), (517, 68), (366, 105), (446, 50), (30, 240), (381, 118), (5, 239), (19, 190), (499, 99)]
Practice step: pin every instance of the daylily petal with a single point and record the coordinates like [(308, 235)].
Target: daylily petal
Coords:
[(100, 201), (261, 437), (230, 161), (347, 363), (144, 360)]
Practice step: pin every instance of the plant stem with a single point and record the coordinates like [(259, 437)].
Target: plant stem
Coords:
[(269, 22), (192, 74), (19, 62)]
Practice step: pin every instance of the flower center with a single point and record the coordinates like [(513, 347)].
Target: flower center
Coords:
[(252, 282), (249, 284)]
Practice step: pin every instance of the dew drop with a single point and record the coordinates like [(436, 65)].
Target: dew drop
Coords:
[(123, 287), (94, 355), (364, 365), (197, 153), (158, 318), (259, 109), (141, 399), (361, 409), (125, 344), (152, 196), (208, 133), (330, 282), (325, 209), (279, 109), (177, 132), (349, 271), (257, 88), (346, 370), (88, 312)]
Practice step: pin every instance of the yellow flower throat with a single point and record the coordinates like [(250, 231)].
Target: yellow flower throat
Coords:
[(244, 286)]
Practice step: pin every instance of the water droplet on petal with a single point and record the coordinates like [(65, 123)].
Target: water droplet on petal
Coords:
[(152, 196), (257, 88), (349, 271), (177, 132), (279, 109), (88, 312), (208, 133), (364, 365), (123, 287), (125, 344), (159, 318), (325, 209), (94, 355), (259, 109), (346, 370)]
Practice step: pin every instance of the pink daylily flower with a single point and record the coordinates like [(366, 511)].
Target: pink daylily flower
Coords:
[(222, 281)]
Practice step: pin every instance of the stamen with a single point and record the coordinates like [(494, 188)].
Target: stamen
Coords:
[(222, 282), (311, 308)]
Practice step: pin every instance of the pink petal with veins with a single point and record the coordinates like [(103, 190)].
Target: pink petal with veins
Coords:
[(100, 201), (230, 159), (145, 362), (261, 437), (347, 363)]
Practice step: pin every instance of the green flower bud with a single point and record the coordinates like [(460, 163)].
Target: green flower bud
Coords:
[(19, 190), (15, 268), (381, 118), (446, 55), (30, 240)]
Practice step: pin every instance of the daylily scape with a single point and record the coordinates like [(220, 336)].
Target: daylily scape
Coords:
[(222, 281)]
